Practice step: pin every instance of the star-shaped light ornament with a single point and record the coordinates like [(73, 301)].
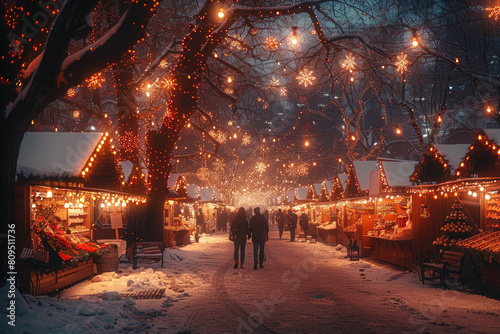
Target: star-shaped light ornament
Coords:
[(246, 139), (349, 62), (306, 78), (402, 63), (494, 12), (261, 167)]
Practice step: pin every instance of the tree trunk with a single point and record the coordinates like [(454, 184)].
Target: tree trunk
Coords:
[(10, 143)]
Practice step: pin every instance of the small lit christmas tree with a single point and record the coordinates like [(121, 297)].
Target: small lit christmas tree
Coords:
[(455, 228)]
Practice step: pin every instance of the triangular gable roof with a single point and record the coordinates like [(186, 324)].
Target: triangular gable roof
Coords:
[(191, 190), (454, 153), (343, 180), (398, 172), (362, 169), (493, 134), (126, 167), (329, 185), (172, 180), (302, 193), (317, 188), (206, 194), (56, 154)]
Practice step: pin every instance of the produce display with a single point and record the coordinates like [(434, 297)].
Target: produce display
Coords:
[(493, 213), (456, 227), (486, 244)]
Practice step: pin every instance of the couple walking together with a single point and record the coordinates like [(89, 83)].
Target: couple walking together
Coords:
[(258, 230)]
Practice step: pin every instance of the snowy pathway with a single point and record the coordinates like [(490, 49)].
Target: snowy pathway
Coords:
[(304, 288)]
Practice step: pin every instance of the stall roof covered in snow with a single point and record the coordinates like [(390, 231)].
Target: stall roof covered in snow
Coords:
[(398, 172), (343, 180), (454, 153), (302, 193), (493, 134), (172, 180), (55, 154), (362, 169)]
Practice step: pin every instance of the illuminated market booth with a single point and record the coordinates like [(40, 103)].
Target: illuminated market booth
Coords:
[(67, 196), (179, 214), (388, 233)]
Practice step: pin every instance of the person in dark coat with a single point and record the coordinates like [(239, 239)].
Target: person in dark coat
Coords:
[(200, 221), (280, 220), (222, 220), (259, 228), (292, 223), (266, 214), (238, 233), (304, 223)]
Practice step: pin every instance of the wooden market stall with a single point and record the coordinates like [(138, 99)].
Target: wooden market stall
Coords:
[(179, 221), (388, 236), (65, 184)]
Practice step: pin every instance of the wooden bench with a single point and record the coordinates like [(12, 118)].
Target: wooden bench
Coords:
[(445, 264), (147, 250)]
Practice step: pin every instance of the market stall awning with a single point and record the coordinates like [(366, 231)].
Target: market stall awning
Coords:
[(398, 173), (454, 153), (363, 169)]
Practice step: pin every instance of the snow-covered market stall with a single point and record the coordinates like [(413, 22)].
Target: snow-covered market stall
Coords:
[(70, 213), (179, 221)]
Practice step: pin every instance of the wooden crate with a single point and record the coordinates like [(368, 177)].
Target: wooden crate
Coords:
[(42, 284)]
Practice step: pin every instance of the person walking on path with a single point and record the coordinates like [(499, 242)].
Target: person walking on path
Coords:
[(280, 219), (259, 228), (200, 224), (304, 223), (222, 220), (238, 233), (292, 224)]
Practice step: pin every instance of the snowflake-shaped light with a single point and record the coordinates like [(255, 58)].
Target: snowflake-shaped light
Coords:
[(306, 78), (261, 167), (219, 165), (349, 62), (402, 63), (220, 136), (283, 91), (274, 82), (246, 139), (272, 43), (167, 83), (71, 92), (229, 90), (494, 12), (76, 114), (163, 64), (95, 81)]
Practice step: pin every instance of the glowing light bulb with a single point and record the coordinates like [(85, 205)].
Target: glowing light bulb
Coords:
[(220, 14), (414, 42)]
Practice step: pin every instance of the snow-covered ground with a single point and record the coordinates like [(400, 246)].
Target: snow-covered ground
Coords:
[(96, 306)]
